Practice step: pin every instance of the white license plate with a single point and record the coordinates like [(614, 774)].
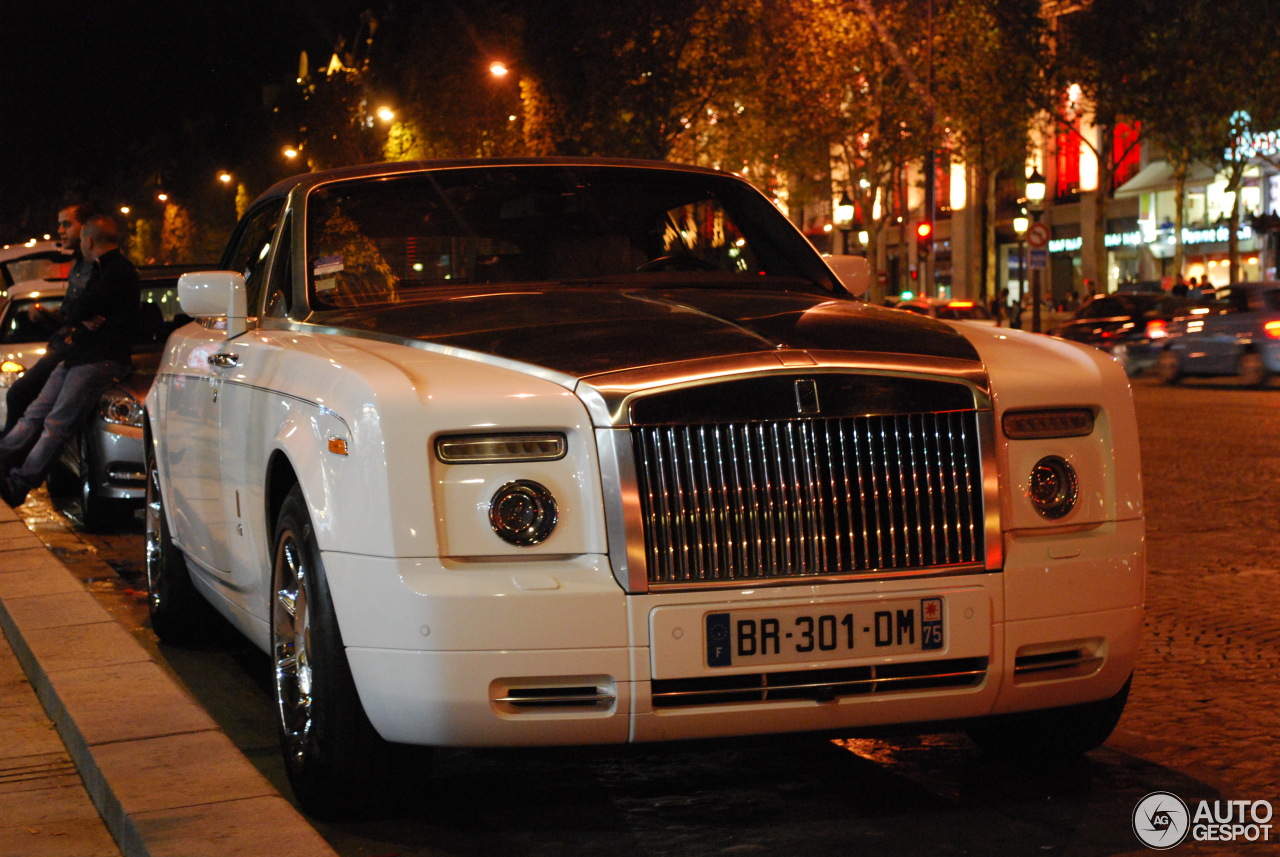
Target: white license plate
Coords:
[(825, 632)]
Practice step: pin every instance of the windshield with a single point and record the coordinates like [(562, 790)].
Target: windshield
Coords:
[(384, 240)]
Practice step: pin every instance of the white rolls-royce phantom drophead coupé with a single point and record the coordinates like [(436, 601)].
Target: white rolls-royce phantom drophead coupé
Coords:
[(573, 451)]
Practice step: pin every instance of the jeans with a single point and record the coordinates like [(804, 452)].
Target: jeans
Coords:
[(67, 400), (25, 390)]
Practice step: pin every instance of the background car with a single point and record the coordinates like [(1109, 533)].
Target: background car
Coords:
[(100, 478), (948, 309), (22, 340), (34, 260), (1130, 326), (1235, 334)]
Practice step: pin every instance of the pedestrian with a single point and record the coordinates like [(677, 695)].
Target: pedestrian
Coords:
[(998, 311), (24, 390), (1015, 313), (98, 352)]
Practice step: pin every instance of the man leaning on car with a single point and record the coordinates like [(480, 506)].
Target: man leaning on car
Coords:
[(98, 353), (24, 391)]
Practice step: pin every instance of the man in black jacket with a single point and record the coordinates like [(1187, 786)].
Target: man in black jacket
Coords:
[(101, 326), (24, 391)]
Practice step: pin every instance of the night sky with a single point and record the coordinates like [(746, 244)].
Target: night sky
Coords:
[(81, 81)]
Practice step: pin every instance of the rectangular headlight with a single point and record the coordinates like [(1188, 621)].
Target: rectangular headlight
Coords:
[(1056, 422), (497, 448)]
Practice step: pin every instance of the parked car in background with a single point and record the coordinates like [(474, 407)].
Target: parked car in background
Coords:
[(100, 478), (34, 260), (22, 339), (948, 309), (575, 451), (1237, 333), (1130, 326)]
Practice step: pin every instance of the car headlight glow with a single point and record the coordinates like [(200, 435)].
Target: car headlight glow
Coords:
[(10, 371), (1054, 487), (523, 512), (119, 408)]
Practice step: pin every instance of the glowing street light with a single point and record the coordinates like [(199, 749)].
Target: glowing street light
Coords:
[(386, 114), (224, 177), (497, 68), (290, 152)]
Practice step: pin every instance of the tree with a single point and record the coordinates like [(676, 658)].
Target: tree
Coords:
[(630, 77), (987, 83), (1184, 70), (1097, 60), (448, 102)]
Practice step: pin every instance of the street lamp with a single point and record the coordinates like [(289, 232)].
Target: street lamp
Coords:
[(843, 216), (1020, 225), (1036, 187)]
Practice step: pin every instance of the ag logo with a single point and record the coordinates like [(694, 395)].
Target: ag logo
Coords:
[(1161, 820)]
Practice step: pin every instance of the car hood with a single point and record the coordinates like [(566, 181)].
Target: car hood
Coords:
[(588, 331)]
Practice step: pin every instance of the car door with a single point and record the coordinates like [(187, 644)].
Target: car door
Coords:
[(1218, 346), (202, 496)]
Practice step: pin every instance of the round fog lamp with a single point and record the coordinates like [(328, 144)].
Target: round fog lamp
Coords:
[(1054, 487), (523, 512)]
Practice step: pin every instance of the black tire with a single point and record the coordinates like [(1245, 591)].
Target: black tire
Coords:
[(1168, 367), (179, 613), (337, 764), (1055, 733), (97, 513), (1252, 370)]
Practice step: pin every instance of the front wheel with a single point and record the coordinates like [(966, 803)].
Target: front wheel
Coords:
[(1055, 733), (335, 760), (1253, 372), (1168, 368)]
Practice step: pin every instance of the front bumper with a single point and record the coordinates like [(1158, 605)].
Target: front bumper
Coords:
[(491, 654)]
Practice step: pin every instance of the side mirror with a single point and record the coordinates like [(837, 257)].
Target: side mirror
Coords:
[(213, 294), (853, 271)]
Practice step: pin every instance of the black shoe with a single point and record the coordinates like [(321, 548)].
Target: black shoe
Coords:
[(11, 493)]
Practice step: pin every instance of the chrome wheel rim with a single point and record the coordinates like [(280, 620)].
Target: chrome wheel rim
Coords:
[(291, 648), (153, 547)]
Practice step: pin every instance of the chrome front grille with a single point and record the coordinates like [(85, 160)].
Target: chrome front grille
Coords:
[(811, 497)]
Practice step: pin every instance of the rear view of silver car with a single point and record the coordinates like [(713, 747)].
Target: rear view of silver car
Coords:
[(1235, 334)]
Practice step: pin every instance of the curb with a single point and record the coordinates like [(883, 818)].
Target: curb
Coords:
[(163, 776)]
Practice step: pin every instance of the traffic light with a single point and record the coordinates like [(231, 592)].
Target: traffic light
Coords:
[(924, 234)]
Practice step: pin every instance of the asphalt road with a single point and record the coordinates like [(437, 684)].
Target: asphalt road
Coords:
[(1201, 723)]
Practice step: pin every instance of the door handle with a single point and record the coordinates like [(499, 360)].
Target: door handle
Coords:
[(224, 361)]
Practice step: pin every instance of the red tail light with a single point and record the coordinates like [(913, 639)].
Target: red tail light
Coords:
[(1157, 328), (1272, 329)]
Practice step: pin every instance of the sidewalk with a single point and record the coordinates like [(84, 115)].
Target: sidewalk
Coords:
[(156, 776)]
